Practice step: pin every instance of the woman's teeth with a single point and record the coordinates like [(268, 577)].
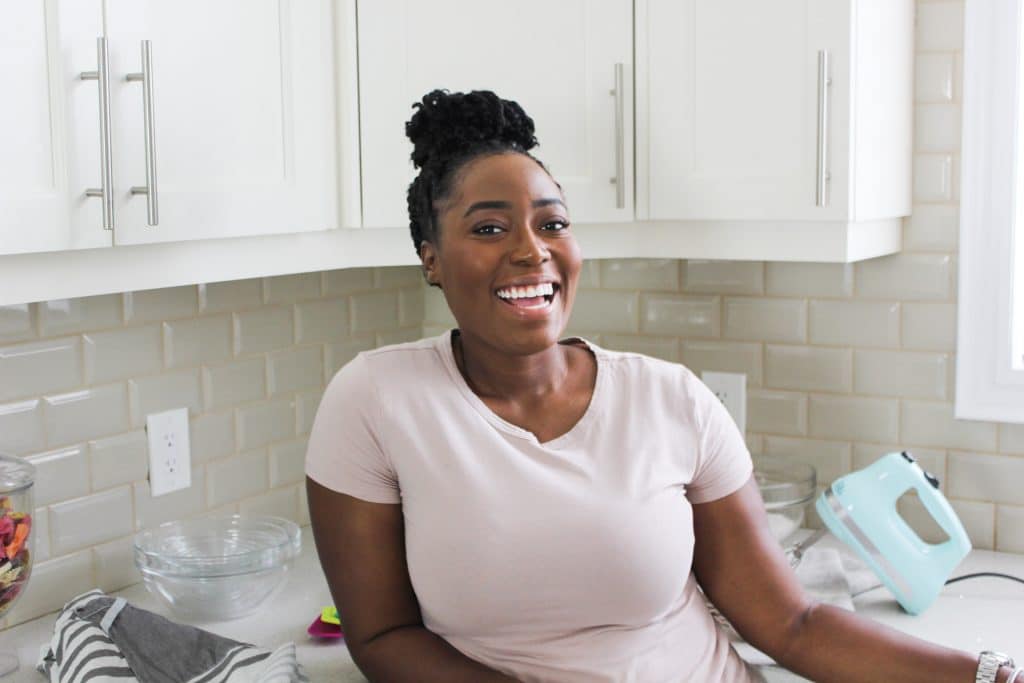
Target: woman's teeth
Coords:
[(545, 289)]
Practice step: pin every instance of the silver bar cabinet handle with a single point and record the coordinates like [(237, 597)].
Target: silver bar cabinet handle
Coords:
[(620, 137), (823, 176), (149, 189), (106, 189)]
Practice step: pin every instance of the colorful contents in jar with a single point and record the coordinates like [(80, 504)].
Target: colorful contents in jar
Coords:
[(15, 560)]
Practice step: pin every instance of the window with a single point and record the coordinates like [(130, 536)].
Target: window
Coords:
[(990, 328)]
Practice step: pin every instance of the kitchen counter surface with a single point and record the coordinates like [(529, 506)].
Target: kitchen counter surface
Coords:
[(978, 614)]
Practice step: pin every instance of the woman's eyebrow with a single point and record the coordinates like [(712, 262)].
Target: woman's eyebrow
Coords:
[(500, 204)]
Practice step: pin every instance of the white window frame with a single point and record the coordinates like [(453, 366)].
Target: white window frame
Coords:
[(988, 387)]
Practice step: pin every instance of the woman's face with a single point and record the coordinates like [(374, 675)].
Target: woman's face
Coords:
[(506, 259)]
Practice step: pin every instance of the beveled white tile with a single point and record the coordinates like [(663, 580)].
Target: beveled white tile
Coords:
[(666, 348), (986, 478), (1011, 439), (347, 280), (83, 522), (854, 417), (411, 307), (321, 321), (286, 289), (261, 423), (932, 227), (902, 373), (306, 404), (855, 323), (17, 322), (723, 277), (755, 443), (431, 330), (115, 564), (1010, 529), (68, 316), (436, 308), (212, 435), (163, 392), (725, 356), (122, 353), (929, 326), (264, 329), (596, 310), (830, 459), (60, 474), (153, 305), (188, 343), (41, 533), (402, 336), (978, 520), (86, 414), (337, 355), (809, 279), (771, 320), (936, 127), (53, 583), (303, 507), (777, 412), (931, 423), (394, 277), (638, 273), (933, 77), (40, 367), (374, 311), (808, 368), (906, 276), (227, 297), (232, 383), (590, 274), (280, 503), (231, 479), (288, 462), (939, 26), (681, 315), (118, 460), (933, 178), (299, 367), (150, 511), (22, 429)]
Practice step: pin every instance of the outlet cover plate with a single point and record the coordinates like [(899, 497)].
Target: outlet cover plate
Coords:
[(170, 462), (731, 390)]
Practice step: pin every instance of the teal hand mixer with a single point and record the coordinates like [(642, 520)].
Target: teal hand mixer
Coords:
[(860, 510)]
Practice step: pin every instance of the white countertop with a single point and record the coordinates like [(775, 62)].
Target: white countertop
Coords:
[(978, 614)]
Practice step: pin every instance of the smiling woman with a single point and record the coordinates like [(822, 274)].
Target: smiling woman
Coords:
[(501, 504)]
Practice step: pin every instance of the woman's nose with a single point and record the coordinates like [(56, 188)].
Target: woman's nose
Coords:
[(529, 247)]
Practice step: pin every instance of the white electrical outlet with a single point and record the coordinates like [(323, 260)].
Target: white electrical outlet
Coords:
[(731, 390), (170, 463)]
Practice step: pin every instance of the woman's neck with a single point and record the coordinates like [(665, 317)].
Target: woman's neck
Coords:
[(493, 373)]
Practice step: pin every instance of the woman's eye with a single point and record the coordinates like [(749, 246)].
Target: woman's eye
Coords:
[(556, 226), (489, 229)]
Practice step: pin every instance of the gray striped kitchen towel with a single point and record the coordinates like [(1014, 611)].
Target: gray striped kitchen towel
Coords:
[(100, 638)]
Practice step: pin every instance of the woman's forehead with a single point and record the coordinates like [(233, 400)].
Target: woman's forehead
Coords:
[(504, 177)]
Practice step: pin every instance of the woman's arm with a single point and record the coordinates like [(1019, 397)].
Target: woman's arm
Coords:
[(362, 551), (742, 568)]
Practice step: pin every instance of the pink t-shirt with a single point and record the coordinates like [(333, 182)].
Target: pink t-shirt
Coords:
[(565, 561)]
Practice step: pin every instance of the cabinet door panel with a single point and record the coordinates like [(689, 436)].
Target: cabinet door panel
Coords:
[(557, 59), (732, 108), (49, 127), (242, 113)]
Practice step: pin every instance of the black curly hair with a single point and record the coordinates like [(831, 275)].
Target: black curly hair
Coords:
[(448, 130)]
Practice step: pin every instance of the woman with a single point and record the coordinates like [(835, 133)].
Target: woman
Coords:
[(497, 505)]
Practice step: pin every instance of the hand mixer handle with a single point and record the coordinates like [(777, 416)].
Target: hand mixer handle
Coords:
[(942, 512)]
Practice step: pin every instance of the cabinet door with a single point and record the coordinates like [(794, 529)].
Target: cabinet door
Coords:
[(729, 106), (242, 105), (557, 59), (49, 127)]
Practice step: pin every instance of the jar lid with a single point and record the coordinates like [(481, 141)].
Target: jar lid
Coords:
[(15, 473)]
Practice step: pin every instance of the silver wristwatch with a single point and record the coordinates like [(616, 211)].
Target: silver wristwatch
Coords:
[(988, 665)]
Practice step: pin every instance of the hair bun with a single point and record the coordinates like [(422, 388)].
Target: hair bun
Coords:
[(447, 125)]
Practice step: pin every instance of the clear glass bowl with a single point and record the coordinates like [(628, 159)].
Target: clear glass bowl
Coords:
[(16, 538), (217, 568), (787, 486)]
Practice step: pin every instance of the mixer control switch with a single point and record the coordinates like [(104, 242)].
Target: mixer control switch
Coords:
[(907, 456), (932, 479)]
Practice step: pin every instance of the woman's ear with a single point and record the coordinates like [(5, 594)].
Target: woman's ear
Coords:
[(431, 266)]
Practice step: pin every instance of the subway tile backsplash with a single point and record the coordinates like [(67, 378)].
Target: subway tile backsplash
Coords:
[(844, 363)]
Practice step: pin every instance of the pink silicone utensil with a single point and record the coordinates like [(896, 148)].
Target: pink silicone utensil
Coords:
[(319, 629)]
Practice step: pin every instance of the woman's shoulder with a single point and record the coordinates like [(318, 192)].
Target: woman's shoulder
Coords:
[(391, 364)]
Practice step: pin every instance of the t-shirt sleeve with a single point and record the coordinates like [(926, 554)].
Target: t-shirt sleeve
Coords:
[(723, 461), (344, 452)]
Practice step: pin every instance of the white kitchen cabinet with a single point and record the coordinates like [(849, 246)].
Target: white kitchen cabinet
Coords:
[(774, 120), (559, 60), (49, 127)]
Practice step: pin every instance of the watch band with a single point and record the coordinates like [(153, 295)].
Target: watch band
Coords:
[(989, 663)]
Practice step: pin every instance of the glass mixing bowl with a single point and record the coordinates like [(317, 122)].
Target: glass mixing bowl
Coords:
[(16, 508), (217, 568), (787, 486)]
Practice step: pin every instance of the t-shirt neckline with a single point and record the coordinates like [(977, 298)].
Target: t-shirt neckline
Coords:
[(447, 352)]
